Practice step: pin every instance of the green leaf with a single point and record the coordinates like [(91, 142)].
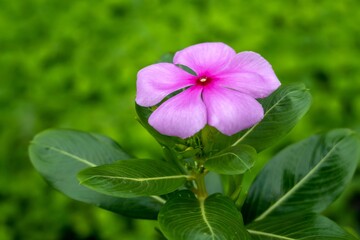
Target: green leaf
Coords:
[(230, 184), (133, 178), (293, 227), (282, 110), (184, 217), (233, 160), (60, 154), (305, 177)]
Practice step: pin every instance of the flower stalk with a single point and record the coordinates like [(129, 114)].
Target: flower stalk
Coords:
[(201, 191)]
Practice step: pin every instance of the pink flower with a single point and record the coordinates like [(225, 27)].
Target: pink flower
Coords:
[(222, 94)]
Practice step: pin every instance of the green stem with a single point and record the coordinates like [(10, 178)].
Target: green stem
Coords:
[(201, 191), (239, 195)]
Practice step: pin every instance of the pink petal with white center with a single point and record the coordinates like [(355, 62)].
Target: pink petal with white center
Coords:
[(205, 58), (157, 81), (182, 115), (231, 111), (251, 84), (254, 66)]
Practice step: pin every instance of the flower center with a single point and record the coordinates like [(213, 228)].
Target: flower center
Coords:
[(203, 80)]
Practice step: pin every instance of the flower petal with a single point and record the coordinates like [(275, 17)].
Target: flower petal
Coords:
[(231, 111), (157, 81), (251, 84), (250, 73), (205, 58), (182, 115)]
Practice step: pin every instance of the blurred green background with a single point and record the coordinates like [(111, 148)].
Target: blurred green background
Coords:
[(73, 64)]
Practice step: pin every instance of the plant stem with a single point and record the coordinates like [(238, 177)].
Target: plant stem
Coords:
[(201, 187)]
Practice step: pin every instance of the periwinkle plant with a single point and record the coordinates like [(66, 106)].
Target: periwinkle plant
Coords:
[(211, 110)]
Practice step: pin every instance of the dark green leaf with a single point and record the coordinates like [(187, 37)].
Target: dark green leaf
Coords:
[(133, 178), (304, 177), (295, 227), (283, 109), (184, 217), (233, 160), (60, 154)]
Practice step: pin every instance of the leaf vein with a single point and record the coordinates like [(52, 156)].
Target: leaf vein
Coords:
[(265, 114), (203, 214), (269, 235), (69, 155), (137, 179), (296, 186)]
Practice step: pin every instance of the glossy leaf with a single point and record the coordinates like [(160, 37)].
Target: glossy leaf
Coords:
[(305, 177), (133, 178), (184, 217), (295, 227), (60, 154), (283, 109), (233, 160)]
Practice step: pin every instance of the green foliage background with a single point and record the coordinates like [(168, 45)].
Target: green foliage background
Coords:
[(73, 64)]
